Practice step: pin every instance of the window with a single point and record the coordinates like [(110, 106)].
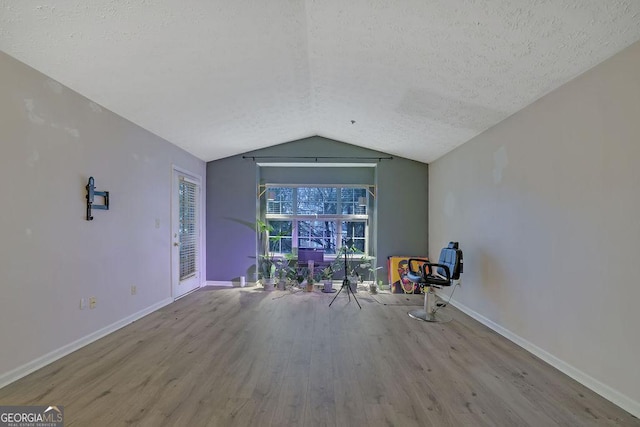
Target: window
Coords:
[(321, 217), (355, 231), (318, 235), (280, 201), (188, 228), (281, 238), (317, 201), (354, 201)]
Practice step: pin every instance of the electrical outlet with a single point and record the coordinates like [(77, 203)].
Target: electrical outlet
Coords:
[(83, 303), (92, 302), (134, 290)]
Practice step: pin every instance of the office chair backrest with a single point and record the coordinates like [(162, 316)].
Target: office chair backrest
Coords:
[(451, 256)]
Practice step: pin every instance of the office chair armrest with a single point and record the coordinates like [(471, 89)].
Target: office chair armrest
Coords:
[(421, 262), (446, 269)]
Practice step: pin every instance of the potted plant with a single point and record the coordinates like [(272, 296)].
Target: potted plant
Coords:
[(310, 281), (266, 259), (285, 272), (367, 267), (307, 278), (327, 278), (268, 269)]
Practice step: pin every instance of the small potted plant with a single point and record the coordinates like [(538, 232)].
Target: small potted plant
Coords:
[(285, 272), (327, 278), (367, 267), (301, 277), (310, 282), (268, 271), (266, 259)]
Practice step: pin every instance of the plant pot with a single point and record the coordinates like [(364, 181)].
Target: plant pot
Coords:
[(328, 286), (268, 284), (282, 284), (309, 287), (353, 283)]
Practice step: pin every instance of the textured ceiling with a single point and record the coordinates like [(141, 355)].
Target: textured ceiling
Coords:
[(220, 78)]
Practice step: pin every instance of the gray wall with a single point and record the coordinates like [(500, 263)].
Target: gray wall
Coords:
[(231, 202), (51, 141), (546, 207)]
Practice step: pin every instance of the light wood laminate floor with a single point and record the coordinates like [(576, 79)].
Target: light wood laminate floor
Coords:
[(245, 357)]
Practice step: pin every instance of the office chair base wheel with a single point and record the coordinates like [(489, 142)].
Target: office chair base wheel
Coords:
[(420, 314)]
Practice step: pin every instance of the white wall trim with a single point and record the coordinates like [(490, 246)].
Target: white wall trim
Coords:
[(602, 389), (34, 365), (188, 293), (227, 283)]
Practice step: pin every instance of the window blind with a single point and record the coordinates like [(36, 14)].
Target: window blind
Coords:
[(188, 229)]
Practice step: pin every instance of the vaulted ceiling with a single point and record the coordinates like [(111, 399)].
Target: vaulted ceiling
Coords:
[(413, 78)]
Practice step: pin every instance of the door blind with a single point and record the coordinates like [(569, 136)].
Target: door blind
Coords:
[(188, 228)]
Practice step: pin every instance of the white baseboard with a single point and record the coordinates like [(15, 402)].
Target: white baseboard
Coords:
[(34, 365), (602, 389), (228, 283)]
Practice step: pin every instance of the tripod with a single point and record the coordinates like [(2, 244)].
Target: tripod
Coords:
[(345, 282)]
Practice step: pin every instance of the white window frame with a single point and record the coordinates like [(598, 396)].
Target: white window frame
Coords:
[(337, 218)]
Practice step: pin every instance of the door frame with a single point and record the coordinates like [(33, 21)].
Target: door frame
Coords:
[(176, 171)]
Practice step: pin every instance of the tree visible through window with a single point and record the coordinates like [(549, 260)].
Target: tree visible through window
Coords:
[(318, 235), (281, 238)]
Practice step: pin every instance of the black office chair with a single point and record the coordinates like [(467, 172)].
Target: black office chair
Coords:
[(430, 276)]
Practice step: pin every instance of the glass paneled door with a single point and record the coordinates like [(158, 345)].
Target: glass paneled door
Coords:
[(185, 255)]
